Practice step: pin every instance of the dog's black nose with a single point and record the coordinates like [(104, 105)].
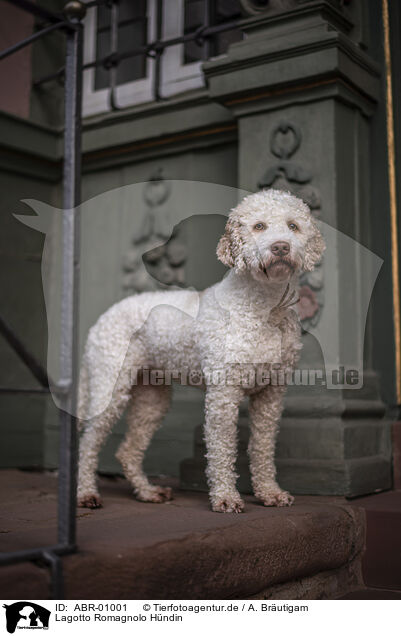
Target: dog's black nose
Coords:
[(280, 248)]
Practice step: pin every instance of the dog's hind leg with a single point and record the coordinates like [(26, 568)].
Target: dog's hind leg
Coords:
[(265, 409), (95, 432), (148, 406), (107, 371)]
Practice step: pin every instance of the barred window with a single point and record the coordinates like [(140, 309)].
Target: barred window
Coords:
[(131, 32), (202, 12), (137, 23)]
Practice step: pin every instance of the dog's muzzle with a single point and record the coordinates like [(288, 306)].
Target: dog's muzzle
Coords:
[(280, 262), (280, 248)]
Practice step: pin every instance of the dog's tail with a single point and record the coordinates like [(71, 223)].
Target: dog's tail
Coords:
[(83, 395)]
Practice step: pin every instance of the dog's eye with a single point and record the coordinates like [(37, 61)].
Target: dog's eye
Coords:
[(293, 227), (259, 227)]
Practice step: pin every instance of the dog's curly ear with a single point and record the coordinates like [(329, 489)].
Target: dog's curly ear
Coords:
[(314, 249), (230, 247), (224, 247)]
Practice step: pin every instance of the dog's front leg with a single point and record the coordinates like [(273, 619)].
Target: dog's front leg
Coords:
[(221, 415), (265, 409)]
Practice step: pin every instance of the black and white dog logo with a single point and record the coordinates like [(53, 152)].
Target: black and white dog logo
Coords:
[(26, 615)]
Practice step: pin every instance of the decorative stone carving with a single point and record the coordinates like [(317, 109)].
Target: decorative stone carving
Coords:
[(287, 174), (148, 265), (308, 305)]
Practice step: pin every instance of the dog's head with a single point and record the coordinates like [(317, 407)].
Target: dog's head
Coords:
[(272, 234)]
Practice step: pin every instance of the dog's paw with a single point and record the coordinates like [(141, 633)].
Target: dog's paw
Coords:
[(91, 500), (276, 498), (227, 504), (155, 494)]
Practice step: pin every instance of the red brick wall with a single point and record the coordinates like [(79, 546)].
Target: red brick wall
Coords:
[(15, 71)]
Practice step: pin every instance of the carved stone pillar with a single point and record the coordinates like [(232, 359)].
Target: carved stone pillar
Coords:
[(303, 89)]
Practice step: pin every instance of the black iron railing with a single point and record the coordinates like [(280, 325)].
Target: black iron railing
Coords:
[(69, 22)]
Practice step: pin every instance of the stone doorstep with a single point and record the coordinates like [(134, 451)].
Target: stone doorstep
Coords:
[(381, 565), (181, 550)]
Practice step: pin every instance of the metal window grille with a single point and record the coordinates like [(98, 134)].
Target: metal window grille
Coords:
[(201, 13), (130, 26), (206, 35)]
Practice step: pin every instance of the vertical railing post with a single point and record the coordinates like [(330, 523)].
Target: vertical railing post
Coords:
[(74, 11), (158, 52)]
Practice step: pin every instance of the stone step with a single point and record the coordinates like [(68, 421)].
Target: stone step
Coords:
[(382, 557), (131, 550)]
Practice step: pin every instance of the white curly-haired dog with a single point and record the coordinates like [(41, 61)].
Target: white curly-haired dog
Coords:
[(232, 334)]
